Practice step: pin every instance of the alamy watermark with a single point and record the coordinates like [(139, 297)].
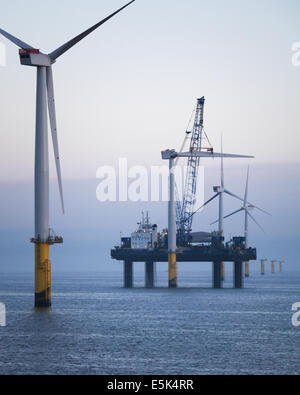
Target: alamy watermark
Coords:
[(296, 315), (2, 55), (140, 184), (2, 314), (296, 54)]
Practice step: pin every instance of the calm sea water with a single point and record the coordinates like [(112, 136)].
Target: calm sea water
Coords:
[(96, 327)]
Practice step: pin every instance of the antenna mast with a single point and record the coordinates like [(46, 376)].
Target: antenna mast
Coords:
[(197, 138)]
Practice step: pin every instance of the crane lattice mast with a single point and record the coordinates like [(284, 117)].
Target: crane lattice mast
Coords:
[(197, 135)]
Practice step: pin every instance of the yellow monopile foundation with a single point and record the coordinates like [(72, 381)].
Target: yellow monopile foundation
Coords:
[(223, 271), (42, 275), (273, 267), (172, 270)]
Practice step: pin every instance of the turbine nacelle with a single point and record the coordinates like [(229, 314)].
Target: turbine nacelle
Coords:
[(247, 208), (30, 56), (218, 189), (33, 57), (169, 154)]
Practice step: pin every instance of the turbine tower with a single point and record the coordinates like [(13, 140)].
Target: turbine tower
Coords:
[(29, 56), (171, 156), (246, 208)]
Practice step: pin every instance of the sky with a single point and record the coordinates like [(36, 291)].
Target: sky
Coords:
[(128, 91)]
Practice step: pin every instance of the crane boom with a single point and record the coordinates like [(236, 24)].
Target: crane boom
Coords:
[(186, 215)]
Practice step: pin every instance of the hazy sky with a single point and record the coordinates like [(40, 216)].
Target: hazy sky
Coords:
[(128, 89), (90, 228)]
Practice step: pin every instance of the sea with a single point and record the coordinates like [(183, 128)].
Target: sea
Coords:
[(95, 327)]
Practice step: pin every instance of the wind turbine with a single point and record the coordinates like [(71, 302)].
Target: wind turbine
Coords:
[(29, 56), (246, 208), (220, 190), (172, 156)]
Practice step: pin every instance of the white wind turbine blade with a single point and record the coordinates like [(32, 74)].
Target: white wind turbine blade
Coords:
[(253, 219), (64, 48), (263, 211), (260, 209), (233, 195), (235, 212), (205, 204), (247, 188), (15, 40), (210, 200), (182, 148), (230, 215), (52, 117)]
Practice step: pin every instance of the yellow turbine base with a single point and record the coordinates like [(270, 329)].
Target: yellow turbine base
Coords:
[(223, 271), (263, 269), (273, 267), (42, 275), (172, 270), (247, 269)]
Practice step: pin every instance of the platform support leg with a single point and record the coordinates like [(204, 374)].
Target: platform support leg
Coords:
[(247, 269), (238, 275), (172, 270), (128, 274), (149, 274), (262, 263), (217, 275)]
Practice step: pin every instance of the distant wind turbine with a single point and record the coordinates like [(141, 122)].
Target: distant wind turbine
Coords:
[(246, 208), (29, 56), (221, 190)]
